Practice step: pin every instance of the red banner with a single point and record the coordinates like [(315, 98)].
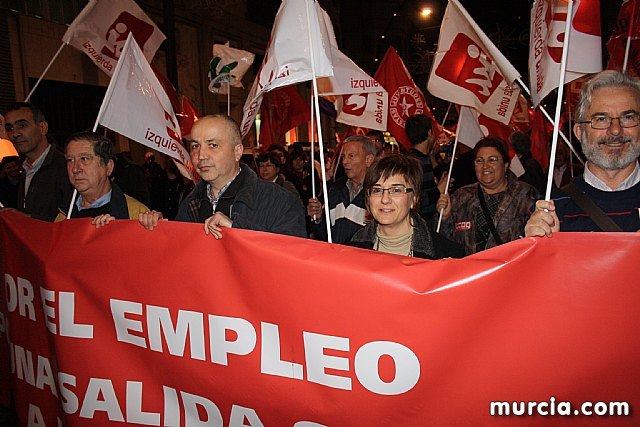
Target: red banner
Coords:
[(124, 326)]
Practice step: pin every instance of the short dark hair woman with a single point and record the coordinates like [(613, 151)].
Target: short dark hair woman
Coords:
[(392, 192), (493, 210)]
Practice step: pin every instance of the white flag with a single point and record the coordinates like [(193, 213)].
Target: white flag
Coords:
[(102, 27), (359, 99), (228, 65), (469, 70), (137, 106), (548, 18), (288, 57)]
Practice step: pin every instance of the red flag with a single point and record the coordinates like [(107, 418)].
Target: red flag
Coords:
[(540, 136), (626, 26), (522, 115), (405, 99), (282, 110), (187, 116)]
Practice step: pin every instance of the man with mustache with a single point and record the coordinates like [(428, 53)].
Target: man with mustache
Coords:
[(607, 125), (230, 193)]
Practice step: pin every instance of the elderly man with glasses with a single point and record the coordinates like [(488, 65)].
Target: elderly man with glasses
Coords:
[(607, 196)]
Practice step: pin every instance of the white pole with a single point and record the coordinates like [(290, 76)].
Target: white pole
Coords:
[(563, 67), (313, 154), (446, 114), (229, 98), (628, 46), (320, 142), (544, 112), (453, 156), (33, 89)]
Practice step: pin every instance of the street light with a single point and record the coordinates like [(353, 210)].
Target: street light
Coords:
[(426, 12)]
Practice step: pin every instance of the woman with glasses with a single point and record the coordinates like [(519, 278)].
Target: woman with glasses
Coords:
[(392, 191), (492, 211)]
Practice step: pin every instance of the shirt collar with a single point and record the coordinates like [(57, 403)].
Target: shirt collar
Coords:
[(33, 167), (101, 201), (214, 200), (596, 182)]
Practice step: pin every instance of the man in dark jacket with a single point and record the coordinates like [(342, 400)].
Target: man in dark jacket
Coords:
[(45, 184), (420, 132), (230, 194)]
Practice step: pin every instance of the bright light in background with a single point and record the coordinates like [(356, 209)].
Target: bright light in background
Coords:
[(425, 12)]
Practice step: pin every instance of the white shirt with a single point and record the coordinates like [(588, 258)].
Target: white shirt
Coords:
[(596, 182)]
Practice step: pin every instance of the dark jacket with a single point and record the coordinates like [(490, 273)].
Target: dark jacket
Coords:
[(509, 220), (425, 243), (48, 189), (251, 204), (347, 217), (430, 193)]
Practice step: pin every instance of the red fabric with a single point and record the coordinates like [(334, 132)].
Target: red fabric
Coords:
[(405, 98), (187, 116), (540, 138), (626, 25), (282, 110), (525, 321)]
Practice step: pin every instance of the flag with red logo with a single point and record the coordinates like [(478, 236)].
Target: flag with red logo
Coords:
[(137, 106), (405, 98), (626, 28), (297, 34), (359, 100), (102, 27), (282, 109), (548, 18), (469, 70)]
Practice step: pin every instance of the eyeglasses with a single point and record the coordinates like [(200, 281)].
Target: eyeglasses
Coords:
[(479, 161), (602, 121), (394, 191)]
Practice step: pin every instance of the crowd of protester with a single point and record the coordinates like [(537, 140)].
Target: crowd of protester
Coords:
[(380, 197)]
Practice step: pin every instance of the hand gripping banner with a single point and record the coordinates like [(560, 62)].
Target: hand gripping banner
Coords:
[(121, 326)]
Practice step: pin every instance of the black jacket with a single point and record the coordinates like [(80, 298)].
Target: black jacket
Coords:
[(48, 189), (251, 204), (425, 243)]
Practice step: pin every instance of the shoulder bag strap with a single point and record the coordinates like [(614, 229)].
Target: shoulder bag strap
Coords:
[(590, 208)]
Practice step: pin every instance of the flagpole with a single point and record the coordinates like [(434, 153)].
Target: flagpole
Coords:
[(563, 67), (313, 162), (320, 142), (229, 98), (103, 106), (548, 117), (446, 114), (453, 157), (628, 46), (45, 71)]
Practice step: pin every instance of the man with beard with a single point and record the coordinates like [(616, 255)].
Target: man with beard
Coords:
[(606, 197)]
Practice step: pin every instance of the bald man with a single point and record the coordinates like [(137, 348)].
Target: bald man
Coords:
[(230, 193)]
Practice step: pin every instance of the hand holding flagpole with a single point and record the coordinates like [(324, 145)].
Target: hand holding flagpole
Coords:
[(446, 188)]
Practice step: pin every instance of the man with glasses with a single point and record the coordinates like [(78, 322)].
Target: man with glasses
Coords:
[(346, 198), (607, 196)]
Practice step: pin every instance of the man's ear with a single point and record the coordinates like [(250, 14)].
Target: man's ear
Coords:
[(238, 150), (110, 165), (44, 127), (577, 131), (369, 159)]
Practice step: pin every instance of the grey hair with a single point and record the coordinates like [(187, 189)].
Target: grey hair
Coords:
[(604, 79), (367, 145)]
